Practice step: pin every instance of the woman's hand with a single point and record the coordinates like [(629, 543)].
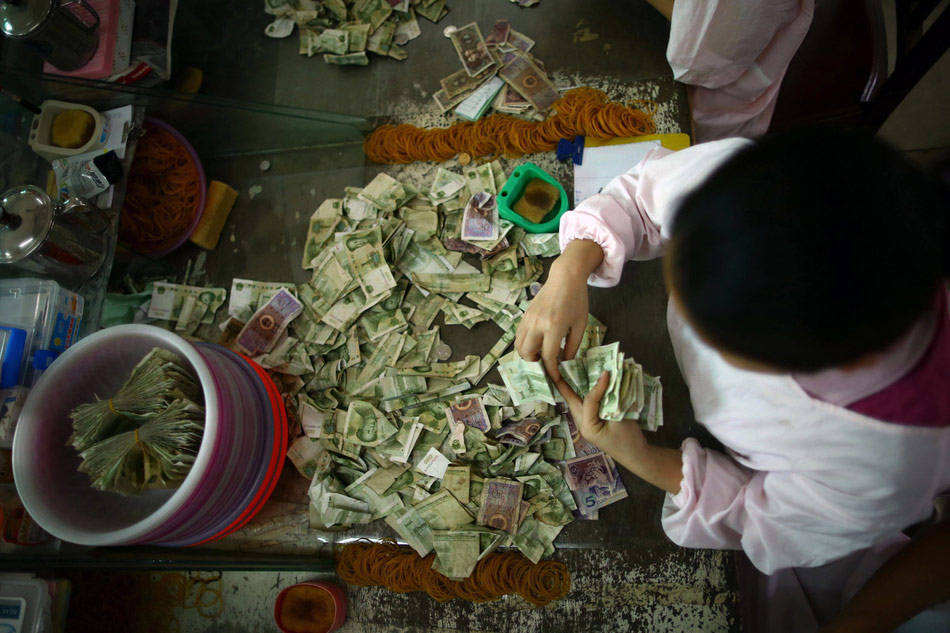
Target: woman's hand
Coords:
[(560, 309), (623, 439)]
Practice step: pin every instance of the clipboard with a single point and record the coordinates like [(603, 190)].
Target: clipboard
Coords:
[(600, 167)]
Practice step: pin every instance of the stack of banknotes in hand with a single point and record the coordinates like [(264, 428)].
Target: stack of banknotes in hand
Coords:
[(591, 474), (145, 436), (631, 394)]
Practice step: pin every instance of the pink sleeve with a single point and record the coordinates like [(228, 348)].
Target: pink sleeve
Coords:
[(629, 219), (779, 518), (712, 43)]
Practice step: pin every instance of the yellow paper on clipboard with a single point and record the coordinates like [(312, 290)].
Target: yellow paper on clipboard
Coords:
[(604, 160)]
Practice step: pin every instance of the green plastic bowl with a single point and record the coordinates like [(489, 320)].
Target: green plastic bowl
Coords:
[(514, 189)]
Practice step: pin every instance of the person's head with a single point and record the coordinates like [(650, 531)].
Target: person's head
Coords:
[(808, 250)]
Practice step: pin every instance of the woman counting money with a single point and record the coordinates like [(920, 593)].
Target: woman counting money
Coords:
[(809, 318)]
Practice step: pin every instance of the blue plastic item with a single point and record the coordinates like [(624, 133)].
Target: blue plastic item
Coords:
[(12, 342), (571, 150), (43, 358), (514, 189)]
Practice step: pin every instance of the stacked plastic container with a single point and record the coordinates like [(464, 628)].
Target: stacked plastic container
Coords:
[(237, 466)]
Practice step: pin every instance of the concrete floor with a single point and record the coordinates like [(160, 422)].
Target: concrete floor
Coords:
[(679, 592)]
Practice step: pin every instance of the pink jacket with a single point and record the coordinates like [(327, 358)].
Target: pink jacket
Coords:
[(733, 56), (802, 482)]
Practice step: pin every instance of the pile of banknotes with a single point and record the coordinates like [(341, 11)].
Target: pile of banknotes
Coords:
[(146, 436), (391, 424), (187, 307), (498, 72), (346, 31)]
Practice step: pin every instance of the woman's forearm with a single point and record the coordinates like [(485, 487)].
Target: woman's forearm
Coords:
[(656, 465), (660, 466), (580, 258)]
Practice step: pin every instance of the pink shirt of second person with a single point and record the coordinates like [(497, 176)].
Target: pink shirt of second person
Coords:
[(732, 56)]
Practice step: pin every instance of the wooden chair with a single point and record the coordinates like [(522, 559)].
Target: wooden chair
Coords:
[(839, 74)]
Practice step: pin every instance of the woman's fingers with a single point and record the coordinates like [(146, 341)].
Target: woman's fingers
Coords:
[(550, 350), (592, 401), (520, 334), (573, 342), (591, 425), (573, 401), (530, 347)]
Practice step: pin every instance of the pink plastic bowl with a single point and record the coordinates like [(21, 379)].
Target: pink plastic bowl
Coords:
[(202, 185)]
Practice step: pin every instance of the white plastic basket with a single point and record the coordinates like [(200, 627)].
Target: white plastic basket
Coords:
[(53, 491)]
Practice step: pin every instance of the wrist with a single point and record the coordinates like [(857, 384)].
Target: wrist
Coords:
[(628, 450), (579, 259), (662, 467)]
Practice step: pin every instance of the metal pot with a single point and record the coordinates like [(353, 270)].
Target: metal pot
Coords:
[(67, 242), (54, 32)]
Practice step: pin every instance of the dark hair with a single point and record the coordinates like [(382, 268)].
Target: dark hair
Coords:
[(809, 249)]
